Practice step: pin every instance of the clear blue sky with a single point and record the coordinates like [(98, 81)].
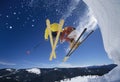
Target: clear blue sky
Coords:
[(22, 25)]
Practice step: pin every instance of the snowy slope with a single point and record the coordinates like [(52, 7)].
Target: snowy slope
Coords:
[(110, 77), (80, 79), (107, 13)]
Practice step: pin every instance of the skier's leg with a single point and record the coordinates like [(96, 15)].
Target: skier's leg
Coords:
[(54, 34), (77, 44), (71, 42)]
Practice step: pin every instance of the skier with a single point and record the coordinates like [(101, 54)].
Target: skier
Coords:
[(69, 34), (66, 33), (76, 41), (54, 29)]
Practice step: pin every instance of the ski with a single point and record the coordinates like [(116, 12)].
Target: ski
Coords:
[(66, 57), (56, 40), (50, 35), (71, 50), (80, 43), (86, 37)]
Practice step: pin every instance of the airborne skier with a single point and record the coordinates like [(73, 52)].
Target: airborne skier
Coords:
[(76, 42), (54, 30), (69, 34)]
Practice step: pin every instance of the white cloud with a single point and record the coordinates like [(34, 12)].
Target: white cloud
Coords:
[(6, 63)]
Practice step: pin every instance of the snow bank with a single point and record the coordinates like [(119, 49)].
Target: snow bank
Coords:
[(113, 76), (107, 13), (110, 77), (80, 79), (34, 70)]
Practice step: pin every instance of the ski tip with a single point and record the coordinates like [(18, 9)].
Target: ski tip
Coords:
[(50, 59), (85, 29), (93, 30), (62, 20), (65, 59), (47, 19), (54, 56)]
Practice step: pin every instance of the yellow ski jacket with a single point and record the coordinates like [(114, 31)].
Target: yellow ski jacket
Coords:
[(53, 27)]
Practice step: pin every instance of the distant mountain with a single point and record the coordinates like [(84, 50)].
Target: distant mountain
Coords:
[(51, 74)]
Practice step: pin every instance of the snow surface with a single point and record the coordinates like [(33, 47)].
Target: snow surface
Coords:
[(34, 70), (110, 77), (107, 13), (80, 79), (9, 70)]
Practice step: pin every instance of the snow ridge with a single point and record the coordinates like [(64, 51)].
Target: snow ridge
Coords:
[(34, 70), (9, 70)]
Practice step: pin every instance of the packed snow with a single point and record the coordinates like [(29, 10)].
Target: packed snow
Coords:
[(34, 70)]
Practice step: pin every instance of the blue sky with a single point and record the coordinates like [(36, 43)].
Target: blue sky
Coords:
[(22, 28)]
